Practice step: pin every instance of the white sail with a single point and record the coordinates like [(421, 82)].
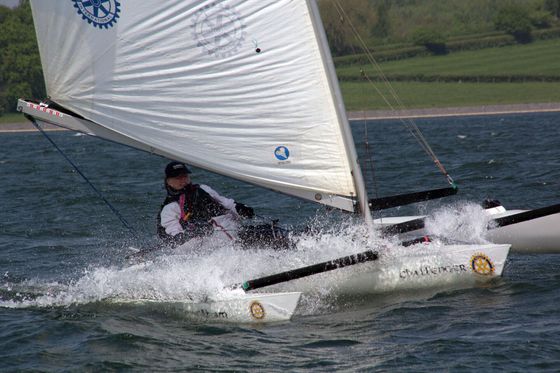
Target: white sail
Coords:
[(237, 87)]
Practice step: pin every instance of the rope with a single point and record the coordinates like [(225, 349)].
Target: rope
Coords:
[(121, 218), (408, 123)]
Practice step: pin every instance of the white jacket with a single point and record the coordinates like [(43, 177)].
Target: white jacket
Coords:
[(227, 224)]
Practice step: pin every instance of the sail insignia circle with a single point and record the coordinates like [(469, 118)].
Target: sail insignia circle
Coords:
[(99, 13), (218, 29), (282, 153)]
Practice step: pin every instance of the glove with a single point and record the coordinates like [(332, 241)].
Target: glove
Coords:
[(244, 211)]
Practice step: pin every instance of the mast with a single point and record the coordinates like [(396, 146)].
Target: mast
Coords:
[(341, 112)]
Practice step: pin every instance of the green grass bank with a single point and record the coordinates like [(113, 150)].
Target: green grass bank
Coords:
[(519, 74)]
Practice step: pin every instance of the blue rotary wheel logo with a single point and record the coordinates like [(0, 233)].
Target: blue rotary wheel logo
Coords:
[(282, 153), (99, 13)]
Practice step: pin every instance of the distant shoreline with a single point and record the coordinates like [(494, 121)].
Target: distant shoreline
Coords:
[(455, 111), (25, 126), (376, 114)]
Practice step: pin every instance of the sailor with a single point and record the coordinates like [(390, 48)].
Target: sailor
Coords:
[(192, 210)]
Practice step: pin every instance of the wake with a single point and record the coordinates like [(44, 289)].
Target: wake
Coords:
[(209, 270)]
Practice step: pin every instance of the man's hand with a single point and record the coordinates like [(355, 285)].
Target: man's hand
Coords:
[(244, 211)]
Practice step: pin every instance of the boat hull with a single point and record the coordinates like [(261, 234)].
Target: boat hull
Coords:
[(538, 235), (238, 307), (418, 267)]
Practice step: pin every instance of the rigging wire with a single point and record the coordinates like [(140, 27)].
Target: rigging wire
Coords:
[(114, 210), (407, 122), (370, 162), (367, 163)]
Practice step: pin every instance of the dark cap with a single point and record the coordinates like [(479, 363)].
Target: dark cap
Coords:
[(174, 169)]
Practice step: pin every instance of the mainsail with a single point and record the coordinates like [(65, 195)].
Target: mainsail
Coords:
[(242, 88)]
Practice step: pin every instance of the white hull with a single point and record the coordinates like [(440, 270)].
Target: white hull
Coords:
[(424, 266), (418, 267), (239, 308), (539, 235)]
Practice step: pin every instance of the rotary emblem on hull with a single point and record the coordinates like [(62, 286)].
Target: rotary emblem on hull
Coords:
[(257, 310), (99, 13), (218, 30), (482, 265)]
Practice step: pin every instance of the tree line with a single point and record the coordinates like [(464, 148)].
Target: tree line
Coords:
[(21, 74), (394, 24), (400, 26)]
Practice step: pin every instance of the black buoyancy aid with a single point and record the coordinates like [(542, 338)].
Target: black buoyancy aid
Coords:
[(199, 207)]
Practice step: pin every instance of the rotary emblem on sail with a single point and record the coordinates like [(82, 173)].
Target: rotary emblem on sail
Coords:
[(218, 29), (99, 13)]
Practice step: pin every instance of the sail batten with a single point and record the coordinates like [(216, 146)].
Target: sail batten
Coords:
[(236, 87)]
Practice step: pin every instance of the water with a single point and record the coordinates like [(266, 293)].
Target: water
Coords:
[(62, 254)]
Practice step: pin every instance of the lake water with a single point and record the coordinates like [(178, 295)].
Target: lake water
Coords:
[(62, 254)]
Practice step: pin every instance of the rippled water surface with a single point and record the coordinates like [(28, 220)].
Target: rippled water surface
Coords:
[(62, 255)]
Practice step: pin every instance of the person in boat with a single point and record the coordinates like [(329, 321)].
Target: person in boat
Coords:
[(191, 210)]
